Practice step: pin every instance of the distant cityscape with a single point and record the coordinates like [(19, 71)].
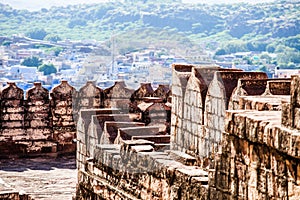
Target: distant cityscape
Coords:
[(80, 61)]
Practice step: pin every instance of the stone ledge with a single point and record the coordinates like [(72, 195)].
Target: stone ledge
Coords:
[(260, 103), (128, 133), (142, 148), (100, 187), (158, 139), (182, 157), (263, 127)]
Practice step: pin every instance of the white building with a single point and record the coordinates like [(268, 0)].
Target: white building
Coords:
[(28, 74), (25, 53), (286, 73)]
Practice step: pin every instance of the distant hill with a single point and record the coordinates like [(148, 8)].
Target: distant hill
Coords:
[(34, 5), (172, 25), (37, 5)]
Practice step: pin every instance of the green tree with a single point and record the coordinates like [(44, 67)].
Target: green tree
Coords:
[(32, 62), (282, 66), (280, 48), (293, 42), (263, 68), (294, 57), (47, 69), (235, 46), (6, 43), (220, 52), (256, 46), (288, 56), (266, 58), (52, 38), (248, 60), (38, 34), (291, 65), (271, 48), (55, 50), (76, 22)]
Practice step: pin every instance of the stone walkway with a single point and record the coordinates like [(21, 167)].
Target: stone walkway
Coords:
[(41, 178)]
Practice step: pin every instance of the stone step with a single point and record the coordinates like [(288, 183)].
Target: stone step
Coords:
[(182, 157), (157, 139), (142, 148), (128, 133), (110, 130)]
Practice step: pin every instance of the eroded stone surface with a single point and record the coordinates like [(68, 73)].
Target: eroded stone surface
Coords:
[(180, 77), (128, 133), (118, 96), (41, 178), (110, 130), (248, 152), (90, 96), (243, 153), (64, 113), (163, 91), (12, 111)]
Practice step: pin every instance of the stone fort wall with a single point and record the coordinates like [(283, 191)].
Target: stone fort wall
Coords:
[(215, 134), (233, 135), (41, 122)]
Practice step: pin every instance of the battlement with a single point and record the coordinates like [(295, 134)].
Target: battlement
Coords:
[(43, 122), (214, 134), (233, 134)]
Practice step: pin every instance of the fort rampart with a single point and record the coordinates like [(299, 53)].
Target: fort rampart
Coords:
[(215, 134), (38, 122), (233, 135)]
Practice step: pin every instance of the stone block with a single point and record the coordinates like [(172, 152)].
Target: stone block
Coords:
[(128, 133), (182, 157), (297, 118), (157, 139), (12, 117), (13, 131), (38, 123), (240, 127), (38, 134), (12, 109), (110, 130), (142, 148), (294, 149), (284, 140), (12, 124)]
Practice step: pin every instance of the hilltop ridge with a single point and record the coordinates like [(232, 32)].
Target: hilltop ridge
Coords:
[(137, 24)]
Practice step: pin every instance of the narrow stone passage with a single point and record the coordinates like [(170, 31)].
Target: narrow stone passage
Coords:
[(41, 178)]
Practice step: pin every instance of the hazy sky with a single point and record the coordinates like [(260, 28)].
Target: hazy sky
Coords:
[(38, 4)]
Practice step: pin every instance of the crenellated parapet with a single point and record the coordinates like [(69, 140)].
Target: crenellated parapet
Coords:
[(216, 104), (46, 121), (163, 91), (12, 112), (90, 96), (145, 90), (38, 118), (180, 77), (259, 156), (216, 134), (118, 96), (64, 113), (234, 135)]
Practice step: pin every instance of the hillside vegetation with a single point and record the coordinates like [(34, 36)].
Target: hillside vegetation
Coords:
[(272, 27)]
